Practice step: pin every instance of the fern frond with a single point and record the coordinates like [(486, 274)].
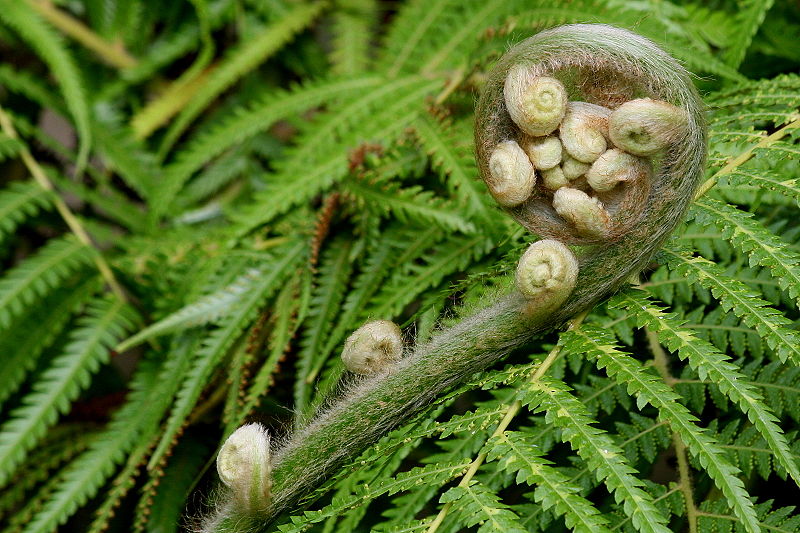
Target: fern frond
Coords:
[(317, 166), (9, 147), (50, 47), (39, 275), (88, 348), (749, 16), (597, 449), (247, 122), (216, 345), (430, 268), (241, 60), (714, 516), (713, 365), (761, 180), (476, 504), (763, 247), (454, 160), (353, 25), (326, 298), (409, 205), (35, 332), (734, 296), (597, 344), (517, 452), (19, 201), (435, 474), (128, 157), (206, 310)]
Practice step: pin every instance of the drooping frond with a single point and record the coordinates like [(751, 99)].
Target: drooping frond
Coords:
[(518, 453), (476, 504), (18, 202), (598, 450), (648, 389), (48, 44), (241, 60), (716, 367), (89, 347), (39, 275), (737, 297)]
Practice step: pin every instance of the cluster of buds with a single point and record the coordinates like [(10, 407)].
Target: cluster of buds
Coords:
[(580, 156)]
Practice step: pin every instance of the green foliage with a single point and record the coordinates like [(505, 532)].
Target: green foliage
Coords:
[(257, 179)]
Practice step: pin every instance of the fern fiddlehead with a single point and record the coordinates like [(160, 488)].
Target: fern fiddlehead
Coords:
[(614, 128)]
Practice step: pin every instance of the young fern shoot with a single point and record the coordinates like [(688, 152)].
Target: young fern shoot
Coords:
[(628, 160)]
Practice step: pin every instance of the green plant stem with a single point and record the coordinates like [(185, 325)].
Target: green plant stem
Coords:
[(511, 412), (69, 218), (112, 53), (661, 362)]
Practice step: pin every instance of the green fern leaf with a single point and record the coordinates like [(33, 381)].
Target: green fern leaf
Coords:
[(713, 365), (410, 205), (352, 27), (326, 298), (241, 60), (750, 15), (435, 474), (39, 275), (49, 45), (35, 332), (216, 345), (20, 200), (453, 157), (9, 147), (763, 247), (306, 175), (597, 449), (88, 348), (518, 453), (476, 504), (245, 123), (206, 310), (734, 296), (597, 344)]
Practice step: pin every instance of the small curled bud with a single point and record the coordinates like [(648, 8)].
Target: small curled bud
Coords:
[(554, 178), (573, 168), (546, 274), (373, 347), (645, 126), (613, 167), (536, 103), (587, 214), (511, 174), (544, 152), (584, 131), (243, 464)]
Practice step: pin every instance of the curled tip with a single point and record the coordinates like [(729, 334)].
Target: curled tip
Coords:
[(535, 103), (554, 178), (546, 274), (573, 168), (244, 465), (544, 152), (373, 347), (584, 131), (585, 213), (511, 174), (614, 167), (644, 126)]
